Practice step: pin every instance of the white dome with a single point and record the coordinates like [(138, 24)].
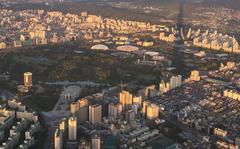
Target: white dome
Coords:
[(128, 48), (99, 47), (151, 53)]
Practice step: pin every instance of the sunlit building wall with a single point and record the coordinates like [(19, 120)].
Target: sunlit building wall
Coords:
[(28, 79), (58, 139), (72, 128), (125, 98), (95, 113)]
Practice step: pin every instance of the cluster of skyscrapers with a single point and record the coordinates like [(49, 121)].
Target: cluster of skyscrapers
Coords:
[(82, 111)]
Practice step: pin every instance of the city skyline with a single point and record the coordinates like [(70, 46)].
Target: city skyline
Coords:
[(119, 74)]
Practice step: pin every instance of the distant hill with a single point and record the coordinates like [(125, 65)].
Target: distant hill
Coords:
[(235, 4)]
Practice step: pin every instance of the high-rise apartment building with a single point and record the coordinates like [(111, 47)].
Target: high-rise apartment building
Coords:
[(96, 142), (114, 109), (175, 81), (195, 75), (95, 113), (125, 98), (164, 87), (83, 110), (63, 125), (58, 139), (144, 108), (3, 45), (28, 79), (137, 100), (72, 128), (130, 115), (74, 109), (150, 110)]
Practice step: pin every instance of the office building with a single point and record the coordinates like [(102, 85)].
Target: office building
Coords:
[(28, 79), (72, 128), (95, 113)]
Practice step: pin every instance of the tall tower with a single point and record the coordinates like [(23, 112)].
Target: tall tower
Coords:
[(72, 128), (28, 79)]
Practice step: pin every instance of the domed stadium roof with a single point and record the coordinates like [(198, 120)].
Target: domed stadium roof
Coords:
[(128, 48), (99, 47), (151, 53)]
